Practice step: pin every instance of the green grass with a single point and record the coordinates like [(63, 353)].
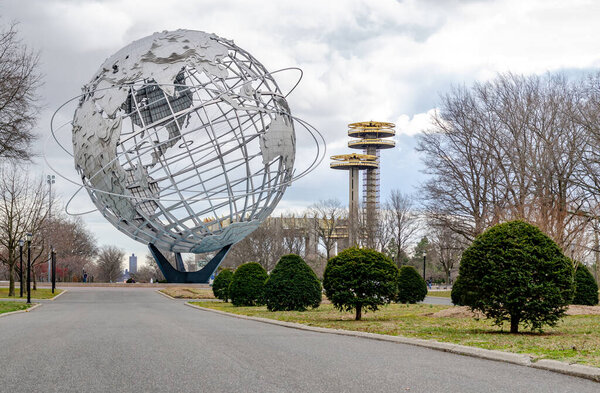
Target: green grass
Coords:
[(576, 339), (40, 293), (439, 293), (12, 306)]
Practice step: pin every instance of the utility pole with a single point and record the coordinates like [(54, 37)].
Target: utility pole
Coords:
[(50, 179), (28, 236), (53, 258), (596, 250), (424, 260), (21, 282)]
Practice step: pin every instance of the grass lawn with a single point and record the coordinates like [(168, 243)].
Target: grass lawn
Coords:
[(576, 339), (189, 293), (40, 293), (439, 293), (12, 306)]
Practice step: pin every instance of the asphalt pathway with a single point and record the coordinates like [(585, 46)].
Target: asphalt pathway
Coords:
[(135, 340)]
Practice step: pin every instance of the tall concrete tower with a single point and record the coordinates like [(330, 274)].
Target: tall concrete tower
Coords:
[(370, 137), (353, 163)]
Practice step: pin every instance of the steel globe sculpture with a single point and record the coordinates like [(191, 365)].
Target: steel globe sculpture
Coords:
[(185, 142)]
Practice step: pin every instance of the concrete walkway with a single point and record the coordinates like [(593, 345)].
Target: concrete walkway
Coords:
[(135, 340)]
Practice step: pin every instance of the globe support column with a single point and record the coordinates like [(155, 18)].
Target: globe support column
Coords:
[(173, 275)]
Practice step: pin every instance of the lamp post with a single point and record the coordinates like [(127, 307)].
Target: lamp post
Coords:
[(53, 258), (28, 237), (424, 259), (21, 283), (50, 179)]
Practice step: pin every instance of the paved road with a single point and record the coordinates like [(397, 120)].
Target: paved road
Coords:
[(438, 300), (135, 340)]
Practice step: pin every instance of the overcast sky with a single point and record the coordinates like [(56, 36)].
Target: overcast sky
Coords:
[(378, 60)]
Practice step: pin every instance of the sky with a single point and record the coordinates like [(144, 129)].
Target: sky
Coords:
[(363, 60)]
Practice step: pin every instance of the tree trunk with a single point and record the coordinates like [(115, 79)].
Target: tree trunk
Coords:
[(34, 280), (11, 279), (514, 324), (358, 312)]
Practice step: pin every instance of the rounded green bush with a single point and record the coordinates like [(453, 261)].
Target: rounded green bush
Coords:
[(221, 284), (292, 286), (411, 286), (248, 284), (360, 278), (457, 294), (586, 288), (514, 272)]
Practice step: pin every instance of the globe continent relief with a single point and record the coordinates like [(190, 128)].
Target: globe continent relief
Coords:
[(184, 140)]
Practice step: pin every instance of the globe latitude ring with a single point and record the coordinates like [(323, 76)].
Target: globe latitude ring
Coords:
[(184, 142)]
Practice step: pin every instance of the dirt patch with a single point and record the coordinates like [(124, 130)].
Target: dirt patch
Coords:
[(189, 293), (583, 310), (457, 312), (465, 312)]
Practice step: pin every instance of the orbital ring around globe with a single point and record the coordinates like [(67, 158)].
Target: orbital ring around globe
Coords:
[(185, 142), (315, 134)]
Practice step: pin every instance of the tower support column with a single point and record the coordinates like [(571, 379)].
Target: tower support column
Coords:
[(353, 207)]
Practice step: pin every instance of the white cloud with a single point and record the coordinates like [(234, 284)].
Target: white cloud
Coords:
[(417, 123), (383, 60)]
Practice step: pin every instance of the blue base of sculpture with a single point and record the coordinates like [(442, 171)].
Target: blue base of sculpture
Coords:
[(179, 275)]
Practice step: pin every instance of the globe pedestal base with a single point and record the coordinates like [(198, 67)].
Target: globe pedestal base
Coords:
[(179, 275)]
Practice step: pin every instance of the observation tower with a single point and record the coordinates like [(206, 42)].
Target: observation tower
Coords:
[(353, 163), (370, 137)]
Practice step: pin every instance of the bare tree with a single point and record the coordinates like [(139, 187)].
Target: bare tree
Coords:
[(401, 222), (264, 245), (74, 244), (145, 273), (330, 214), (23, 208), (448, 247), (152, 267), (507, 149), (110, 263), (19, 82)]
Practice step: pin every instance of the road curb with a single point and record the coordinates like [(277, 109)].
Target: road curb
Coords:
[(59, 295), (21, 311), (575, 370), (165, 295)]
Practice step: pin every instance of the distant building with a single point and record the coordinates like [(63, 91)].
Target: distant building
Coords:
[(133, 264)]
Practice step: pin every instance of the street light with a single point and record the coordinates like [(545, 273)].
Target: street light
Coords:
[(53, 259), (424, 259), (50, 179), (28, 237), (22, 284)]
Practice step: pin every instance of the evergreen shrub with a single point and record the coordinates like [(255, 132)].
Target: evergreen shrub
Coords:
[(586, 288), (248, 284), (514, 272), (411, 286), (292, 286), (221, 284), (358, 279)]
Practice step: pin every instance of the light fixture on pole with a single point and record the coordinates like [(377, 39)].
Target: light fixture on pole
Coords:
[(28, 237), (424, 259), (21, 283)]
